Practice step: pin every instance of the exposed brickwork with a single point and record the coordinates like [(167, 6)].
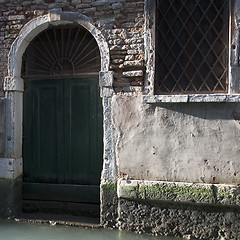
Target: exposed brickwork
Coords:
[(120, 21)]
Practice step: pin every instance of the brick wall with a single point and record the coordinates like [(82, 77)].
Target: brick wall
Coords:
[(120, 21)]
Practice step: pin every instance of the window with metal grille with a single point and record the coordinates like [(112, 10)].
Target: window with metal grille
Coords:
[(191, 46)]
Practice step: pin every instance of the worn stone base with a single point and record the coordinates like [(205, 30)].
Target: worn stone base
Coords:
[(192, 211), (109, 205), (191, 222), (10, 198)]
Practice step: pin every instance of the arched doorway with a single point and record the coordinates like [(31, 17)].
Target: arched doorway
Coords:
[(62, 120)]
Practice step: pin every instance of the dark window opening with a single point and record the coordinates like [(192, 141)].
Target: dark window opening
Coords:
[(191, 40)]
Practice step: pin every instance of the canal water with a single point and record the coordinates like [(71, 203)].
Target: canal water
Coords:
[(11, 230)]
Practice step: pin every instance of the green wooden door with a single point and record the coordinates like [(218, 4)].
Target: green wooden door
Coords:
[(62, 142)]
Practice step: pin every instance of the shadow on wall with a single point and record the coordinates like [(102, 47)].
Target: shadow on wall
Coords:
[(2, 127), (210, 111)]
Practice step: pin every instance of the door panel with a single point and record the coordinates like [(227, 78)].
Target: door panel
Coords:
[(83, 121), (46, 131), (79, 133), (62, 136), (42, 144)]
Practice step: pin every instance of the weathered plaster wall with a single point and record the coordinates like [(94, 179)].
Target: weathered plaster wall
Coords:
[(188, 142)]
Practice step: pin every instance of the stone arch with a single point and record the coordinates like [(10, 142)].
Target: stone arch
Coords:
[(37, 25), (14, 84)]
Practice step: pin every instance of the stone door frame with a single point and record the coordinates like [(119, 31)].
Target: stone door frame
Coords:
[(14, 87)]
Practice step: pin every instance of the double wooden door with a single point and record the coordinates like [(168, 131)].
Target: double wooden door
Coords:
[(62, 140)]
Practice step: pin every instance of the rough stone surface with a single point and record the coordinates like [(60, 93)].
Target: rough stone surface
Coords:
[(10, 168), (192, 98), (169, 217), (109, 205), (106, 79), (10, 197), (2, 127), (186, 221)]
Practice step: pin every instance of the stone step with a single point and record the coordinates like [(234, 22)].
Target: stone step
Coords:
[(61, 208), (59, 219)]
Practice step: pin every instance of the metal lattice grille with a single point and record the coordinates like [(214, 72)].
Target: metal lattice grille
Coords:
[(191, 46), (60, 51)]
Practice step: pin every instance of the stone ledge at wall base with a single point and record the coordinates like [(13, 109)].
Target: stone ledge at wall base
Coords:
[(199, 193), (192, 211), (10, 197), (192, 98)]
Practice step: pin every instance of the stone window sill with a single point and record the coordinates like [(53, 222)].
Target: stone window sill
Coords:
[(191, 98)]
